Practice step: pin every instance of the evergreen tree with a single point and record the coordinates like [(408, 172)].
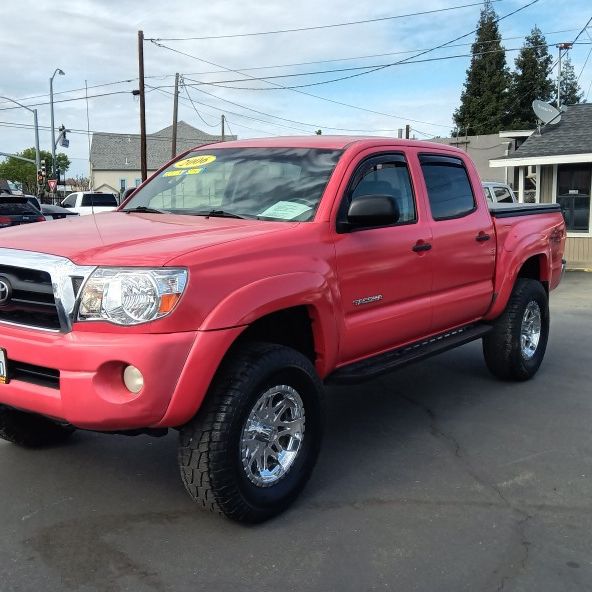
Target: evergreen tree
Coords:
[(571, 93), (530, 80), (483, 102)]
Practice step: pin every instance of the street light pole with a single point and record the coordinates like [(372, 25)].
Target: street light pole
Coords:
[(61, 73), (36, 125)]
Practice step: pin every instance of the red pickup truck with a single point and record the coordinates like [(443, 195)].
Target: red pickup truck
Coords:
[(241, 277)]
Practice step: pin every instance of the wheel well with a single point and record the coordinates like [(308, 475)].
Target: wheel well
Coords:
[(291, 327), (532, 269)]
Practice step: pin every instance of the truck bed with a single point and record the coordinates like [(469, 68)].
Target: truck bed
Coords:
[(507, 210)]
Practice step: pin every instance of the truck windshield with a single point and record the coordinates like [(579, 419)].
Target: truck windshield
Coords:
[(262, 183)]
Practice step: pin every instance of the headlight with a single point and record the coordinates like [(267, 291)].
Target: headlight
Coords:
[(130, 296)]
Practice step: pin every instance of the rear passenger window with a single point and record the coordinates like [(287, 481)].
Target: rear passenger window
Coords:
[(388, 178), (99, 200), (449, 189), (503, 195)]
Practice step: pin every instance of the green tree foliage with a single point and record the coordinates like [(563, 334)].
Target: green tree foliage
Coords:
[(23, 172), (483, 107), (530, 80), (571, 93)]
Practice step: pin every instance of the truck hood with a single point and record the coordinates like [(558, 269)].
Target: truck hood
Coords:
[(116, 238)]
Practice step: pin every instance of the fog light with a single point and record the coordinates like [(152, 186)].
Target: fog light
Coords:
[(133, 379)]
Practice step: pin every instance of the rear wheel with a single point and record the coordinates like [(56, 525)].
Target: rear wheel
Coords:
[(252, 446), (30, 430), (515, 348)]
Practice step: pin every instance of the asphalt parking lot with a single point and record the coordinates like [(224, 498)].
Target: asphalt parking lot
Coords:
[(436, 478)]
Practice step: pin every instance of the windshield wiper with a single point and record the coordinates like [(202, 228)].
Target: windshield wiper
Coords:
[(145, 210), (219, 214)]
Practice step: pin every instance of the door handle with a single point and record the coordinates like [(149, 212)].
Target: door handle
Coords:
[(482, 237), (421, 246)]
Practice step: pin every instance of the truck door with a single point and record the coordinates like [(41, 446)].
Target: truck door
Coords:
[(463, 243), (384, 278)]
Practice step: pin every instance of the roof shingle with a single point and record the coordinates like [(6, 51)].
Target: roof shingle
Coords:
[(572, 135), (121, 152)]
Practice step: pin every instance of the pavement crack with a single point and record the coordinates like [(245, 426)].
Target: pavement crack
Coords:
[(522, 516)]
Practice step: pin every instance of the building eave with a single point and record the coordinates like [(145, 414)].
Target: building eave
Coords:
[(517, 161), (516, 133)]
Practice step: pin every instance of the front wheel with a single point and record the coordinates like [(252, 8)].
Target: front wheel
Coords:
[(516, 346), (249, 451)]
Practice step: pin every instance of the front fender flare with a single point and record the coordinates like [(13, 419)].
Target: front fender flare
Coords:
[(275, 293)]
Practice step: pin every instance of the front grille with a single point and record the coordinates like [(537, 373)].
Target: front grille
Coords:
[(31, 299), (40, 375)]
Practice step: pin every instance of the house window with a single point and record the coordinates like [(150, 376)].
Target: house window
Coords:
[(138, 182), (574, 182), (122, 185)]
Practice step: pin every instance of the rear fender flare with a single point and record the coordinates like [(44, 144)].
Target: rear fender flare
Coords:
[(508, 265)]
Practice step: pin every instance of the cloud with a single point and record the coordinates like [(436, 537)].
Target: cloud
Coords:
[(96, 41)]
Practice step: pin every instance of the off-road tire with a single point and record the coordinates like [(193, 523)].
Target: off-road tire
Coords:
[(209, 445), (30, 430), (502, 346)]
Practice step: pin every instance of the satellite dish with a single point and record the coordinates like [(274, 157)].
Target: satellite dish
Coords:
[(546, 113)]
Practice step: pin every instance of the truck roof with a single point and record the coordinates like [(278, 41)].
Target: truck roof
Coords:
[(328, 142)]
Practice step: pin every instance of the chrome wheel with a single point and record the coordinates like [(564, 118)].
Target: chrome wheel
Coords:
[(272, 435), (530, 332)]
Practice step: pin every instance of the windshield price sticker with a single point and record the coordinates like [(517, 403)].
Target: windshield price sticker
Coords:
[(285, 210), (195, 161), (173, 173)]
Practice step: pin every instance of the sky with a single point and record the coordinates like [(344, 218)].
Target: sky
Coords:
[(95, 42)]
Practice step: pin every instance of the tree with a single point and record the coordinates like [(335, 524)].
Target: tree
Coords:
[(483, 102), (530, 80), (23, 172), (571, 93), (79, 183)]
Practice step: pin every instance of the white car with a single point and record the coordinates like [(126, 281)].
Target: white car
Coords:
[(498, 192), (90, 202)]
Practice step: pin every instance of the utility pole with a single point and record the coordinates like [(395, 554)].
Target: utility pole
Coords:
[(561, 47), (61, 73), (223, 134), (143, 163), (175, 111)]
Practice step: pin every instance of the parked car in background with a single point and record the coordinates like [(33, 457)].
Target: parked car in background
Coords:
[(90, 202), (16, 210), (499, 193), (49, 211), (57, 212)]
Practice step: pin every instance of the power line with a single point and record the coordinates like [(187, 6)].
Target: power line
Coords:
[(237, 114), (341, 103), (302, 123), (372, 69), (224, 83), (194, 107), (82, 132), (584, 66), (364, 57), (319, 27), (119, 92), (269, 67)]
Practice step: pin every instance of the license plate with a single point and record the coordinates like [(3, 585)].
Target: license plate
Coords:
[(3, 366)]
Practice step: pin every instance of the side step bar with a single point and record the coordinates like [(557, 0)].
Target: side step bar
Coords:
[(395, 358)]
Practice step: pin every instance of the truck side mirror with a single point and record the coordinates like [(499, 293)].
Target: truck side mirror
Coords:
[(372, 210)]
